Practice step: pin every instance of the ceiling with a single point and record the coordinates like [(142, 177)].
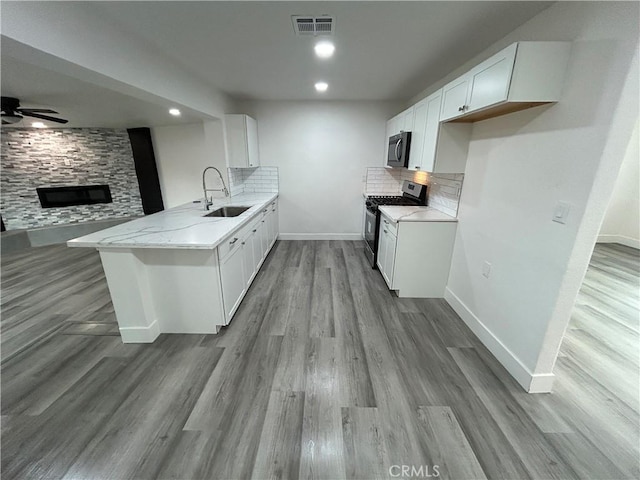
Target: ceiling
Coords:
[(384, 50), (248, 50), (83, 104)]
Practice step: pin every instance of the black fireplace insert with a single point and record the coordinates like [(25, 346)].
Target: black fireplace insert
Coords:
[(78, 195)]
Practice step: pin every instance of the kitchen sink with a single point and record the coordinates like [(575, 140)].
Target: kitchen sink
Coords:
[(227, 212)]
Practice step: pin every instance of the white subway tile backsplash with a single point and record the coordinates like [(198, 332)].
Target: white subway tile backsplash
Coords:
[(443, 193), (253, 180)]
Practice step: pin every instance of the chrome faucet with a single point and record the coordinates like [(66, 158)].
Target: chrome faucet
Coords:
[(208, 203)]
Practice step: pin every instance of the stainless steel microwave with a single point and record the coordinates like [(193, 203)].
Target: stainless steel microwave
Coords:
[(398, 155)]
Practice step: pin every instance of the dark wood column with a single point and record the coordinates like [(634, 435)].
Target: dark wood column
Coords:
[(146, 169)]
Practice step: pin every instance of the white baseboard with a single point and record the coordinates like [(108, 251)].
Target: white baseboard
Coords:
[(532, 383), (621, 239), (140, 334), (541, 382), (320, 236)]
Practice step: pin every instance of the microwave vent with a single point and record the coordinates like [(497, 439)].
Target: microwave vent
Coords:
[(310, 25)]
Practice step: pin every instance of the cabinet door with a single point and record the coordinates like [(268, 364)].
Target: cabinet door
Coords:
[(454, 98), (256, 243), (426, 124), (390, 258), (264, 236), (250, 263), (431, 132), (491, 79), (383, 255), (382, 248), (252, 142), (418, 134), (406, 120), (233, 284), (386, 254), (273, 223), (242, 141)]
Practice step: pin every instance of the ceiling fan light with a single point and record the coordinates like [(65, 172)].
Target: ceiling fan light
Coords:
[(9, 119)]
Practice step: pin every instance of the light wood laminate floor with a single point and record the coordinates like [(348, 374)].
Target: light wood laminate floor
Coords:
[(323, 373)]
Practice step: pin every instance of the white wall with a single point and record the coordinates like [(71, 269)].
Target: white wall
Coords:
[(520, 165), (321, 150), (182, 152), (622, 221)]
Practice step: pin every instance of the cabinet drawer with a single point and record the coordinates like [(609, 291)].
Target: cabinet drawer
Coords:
[(229, 244), (389, 225)]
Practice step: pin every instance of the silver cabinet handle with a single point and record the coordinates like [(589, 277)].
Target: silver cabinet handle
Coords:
[(254, 231), (398, 143), (385, 222), (242, 243), (461, 109), (385, 231), (417, 167), (233, 241), (264, 211)]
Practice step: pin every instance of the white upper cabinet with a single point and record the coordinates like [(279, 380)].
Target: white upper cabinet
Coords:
[(489, 82), (454, 98), (242, 141), (406, 121), (523, 75), (436, 147), (403, 122)]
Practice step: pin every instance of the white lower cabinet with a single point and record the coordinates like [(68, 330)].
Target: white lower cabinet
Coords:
[(242, 255), (273, 222), (256, 243), (250, 261), (414, 257), (232, 275), (387, 250)]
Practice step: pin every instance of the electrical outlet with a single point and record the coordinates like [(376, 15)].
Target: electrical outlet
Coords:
[(486, 269)]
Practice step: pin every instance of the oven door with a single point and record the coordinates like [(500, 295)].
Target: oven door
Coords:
[(370, 233)]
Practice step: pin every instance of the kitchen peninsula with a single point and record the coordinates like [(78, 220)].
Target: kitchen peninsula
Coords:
[(181, 271)]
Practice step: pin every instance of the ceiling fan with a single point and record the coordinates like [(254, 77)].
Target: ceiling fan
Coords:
[(12, 113)]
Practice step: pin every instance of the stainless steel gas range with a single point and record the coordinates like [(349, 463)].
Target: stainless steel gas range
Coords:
[(412, 194)]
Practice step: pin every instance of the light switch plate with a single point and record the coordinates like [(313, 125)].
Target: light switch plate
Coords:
[(486, 269), (561, 212)]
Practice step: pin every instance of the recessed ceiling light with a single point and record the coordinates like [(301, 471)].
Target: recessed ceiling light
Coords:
[(175, 112), (321, 86), (38, 125), (324, 49)]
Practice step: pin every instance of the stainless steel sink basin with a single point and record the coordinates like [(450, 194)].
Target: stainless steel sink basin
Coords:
[(227, 212)]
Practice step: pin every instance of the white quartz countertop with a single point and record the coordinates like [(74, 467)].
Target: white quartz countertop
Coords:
[(415, 214), (179, 227)]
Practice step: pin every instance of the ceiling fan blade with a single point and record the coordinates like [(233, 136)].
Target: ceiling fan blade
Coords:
[(36, 110), (44, 117)]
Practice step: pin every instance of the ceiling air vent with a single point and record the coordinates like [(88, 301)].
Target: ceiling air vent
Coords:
[(310, 25)]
